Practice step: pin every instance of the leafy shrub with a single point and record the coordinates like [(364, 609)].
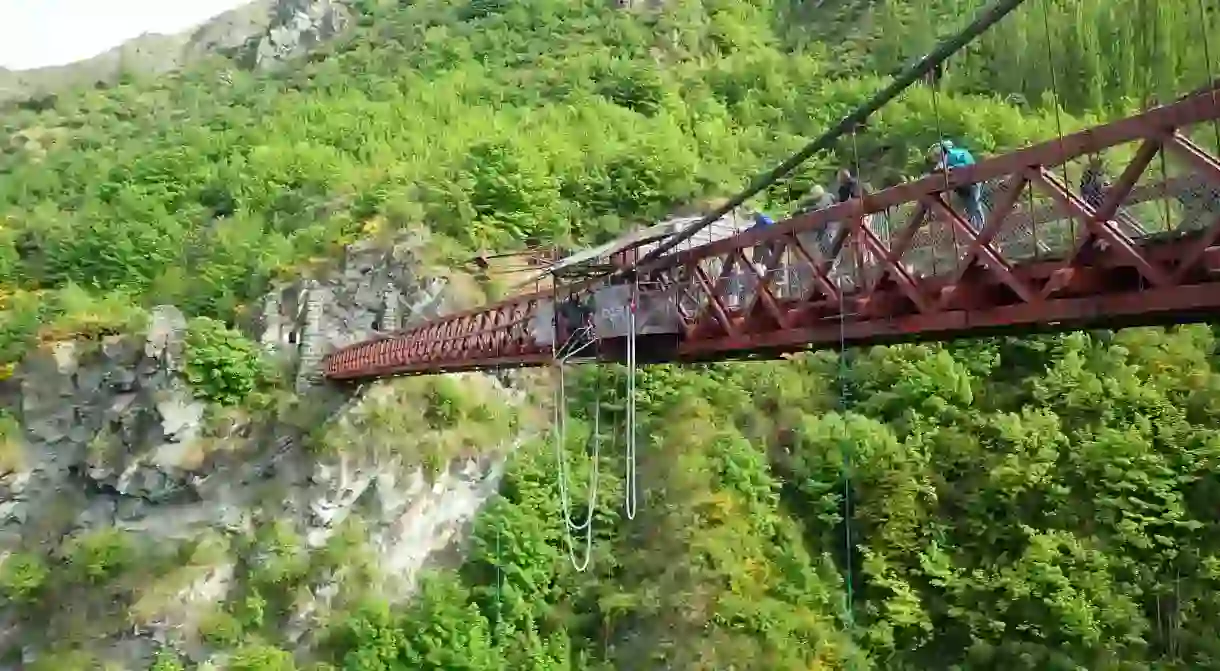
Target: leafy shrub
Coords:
[(279, 555), (167, 661), (78, 313), (22, 574), (21, 314), (221, 628), (261, 657), (252, 611), (221, 364), (446, 404), (11, 457), (64, 314), (96, 556), (65, 660)]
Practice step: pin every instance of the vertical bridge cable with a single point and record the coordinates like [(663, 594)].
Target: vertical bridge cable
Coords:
[(1206, 26), (499, 570), (630, 502), (944, 164), (855, 233), (1050, 64), (1154, 96)]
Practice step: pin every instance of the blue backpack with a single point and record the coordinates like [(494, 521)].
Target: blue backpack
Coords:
[(958, 158)]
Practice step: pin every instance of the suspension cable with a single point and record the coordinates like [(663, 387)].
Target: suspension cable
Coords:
[(902, 80)]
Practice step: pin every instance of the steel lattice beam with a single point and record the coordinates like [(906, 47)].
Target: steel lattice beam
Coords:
[(866, 289)]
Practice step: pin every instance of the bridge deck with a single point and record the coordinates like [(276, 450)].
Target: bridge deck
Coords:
[(903, 264)]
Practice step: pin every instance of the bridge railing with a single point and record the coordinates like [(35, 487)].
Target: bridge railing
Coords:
[(1039, 230), (910, 246)]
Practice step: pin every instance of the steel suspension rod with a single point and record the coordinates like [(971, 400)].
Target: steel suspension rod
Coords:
[(902, 81)]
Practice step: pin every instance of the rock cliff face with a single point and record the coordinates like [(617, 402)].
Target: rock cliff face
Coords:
[(296, 27), (376, 289), (194, 506), (261, 35)]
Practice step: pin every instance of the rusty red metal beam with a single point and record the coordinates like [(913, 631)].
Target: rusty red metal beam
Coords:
[(1109, 279)]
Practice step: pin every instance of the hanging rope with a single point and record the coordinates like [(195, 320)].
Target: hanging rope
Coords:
[(630, 503), (569, 526), (559, 420), (560, 443), (499, 569)]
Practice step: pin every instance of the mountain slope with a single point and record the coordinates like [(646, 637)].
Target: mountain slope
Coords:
[(1012, 503), (258, 34)]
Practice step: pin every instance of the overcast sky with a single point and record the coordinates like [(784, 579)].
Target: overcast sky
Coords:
[(34, 33)]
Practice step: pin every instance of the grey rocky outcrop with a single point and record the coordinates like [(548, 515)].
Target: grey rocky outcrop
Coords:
[(297, 27), (112, 437), (377, 289), (262, 34)]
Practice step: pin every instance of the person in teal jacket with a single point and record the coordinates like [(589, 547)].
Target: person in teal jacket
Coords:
[(947, 156)]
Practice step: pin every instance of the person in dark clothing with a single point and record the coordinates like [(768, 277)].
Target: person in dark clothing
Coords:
[(574, 317), (849, 186), (763, 252), (1094, 183)]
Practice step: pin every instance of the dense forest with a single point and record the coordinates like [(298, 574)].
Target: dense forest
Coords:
[(1013, 503)]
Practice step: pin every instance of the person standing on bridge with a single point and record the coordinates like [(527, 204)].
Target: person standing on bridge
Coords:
[(819, 199), (763, 252), (946, 156), (851, 187), (1094, 183)]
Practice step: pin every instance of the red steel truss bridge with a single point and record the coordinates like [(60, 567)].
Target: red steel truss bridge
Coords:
[(898, 265)]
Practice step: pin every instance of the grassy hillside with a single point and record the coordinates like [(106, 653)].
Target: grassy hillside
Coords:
[(1041, 503)]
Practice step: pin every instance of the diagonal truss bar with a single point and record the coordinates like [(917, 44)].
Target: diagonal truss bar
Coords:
[(902, 278), (1105, 230), (717, 308), (821, 279), (994, 262), (762, 293)]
